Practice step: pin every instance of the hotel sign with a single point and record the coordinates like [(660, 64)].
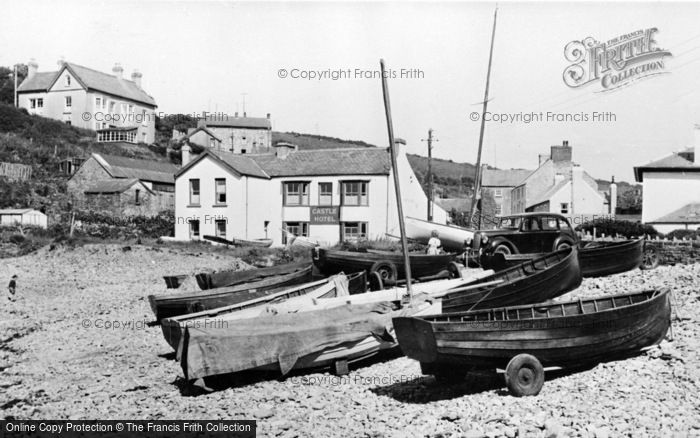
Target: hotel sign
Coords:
[(325, 215)]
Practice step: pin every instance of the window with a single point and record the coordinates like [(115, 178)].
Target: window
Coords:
[(499, 210), (194, 192), (69, 101), (67, 81), (131, 109), (498, 193), (220, 189), (137, 201), (243, 151), (221, 228), (296, 193), (355, 193), (563, 224), (144, 118), (325, 193), (296, 228), (32, 103), (564, 208), (194, 229), (353, 230), (531, 224), (40, 103), (98, 102)]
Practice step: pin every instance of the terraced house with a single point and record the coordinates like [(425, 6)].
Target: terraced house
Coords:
[(328, 195), (118, 109)]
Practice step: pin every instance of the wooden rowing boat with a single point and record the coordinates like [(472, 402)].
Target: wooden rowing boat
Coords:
[(452, 237), (166, 305), (523, 339), (533, 281), (388, 264), (299, 333), (174, 281), (207, 280), (596, 258), (262, 243), (606, 258)]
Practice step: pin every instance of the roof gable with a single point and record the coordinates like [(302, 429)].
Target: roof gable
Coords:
[(503, 177), (689, 213), (201, 129), (146, 170), (224, 120), (673, 162)]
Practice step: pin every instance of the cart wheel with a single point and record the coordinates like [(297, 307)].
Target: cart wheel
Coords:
[(386, 270), (524, 375), (375, 282), (650, 258), (454, 270)]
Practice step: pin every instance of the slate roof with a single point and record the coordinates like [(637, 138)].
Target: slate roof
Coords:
[(503, 177), (92, 80), (193, 131), (18, 211), (236, 122), (673, 162), (112, 185), (317, 162), (146, 170), (688, 214)]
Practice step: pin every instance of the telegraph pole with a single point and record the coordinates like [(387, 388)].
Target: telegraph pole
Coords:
[(16, 101), (430, 141)]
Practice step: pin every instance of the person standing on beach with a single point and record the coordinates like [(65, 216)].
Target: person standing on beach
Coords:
[(434, 243), (12, 287)]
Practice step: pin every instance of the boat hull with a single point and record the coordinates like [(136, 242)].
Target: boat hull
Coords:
[(168, 305), (331, 262), (611, 258), (534, 281), (578, 339), (453, 238), (231, 278)]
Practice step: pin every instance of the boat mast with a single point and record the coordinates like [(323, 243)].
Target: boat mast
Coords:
[(477, 178), (397, 188)]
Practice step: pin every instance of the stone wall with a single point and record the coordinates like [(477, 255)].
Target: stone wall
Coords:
[(672, 252)]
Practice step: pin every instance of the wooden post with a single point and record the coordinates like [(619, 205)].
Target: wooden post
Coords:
[(397, 187), (72, 224)]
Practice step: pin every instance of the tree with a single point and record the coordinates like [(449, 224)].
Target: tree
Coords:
[(7, 82)]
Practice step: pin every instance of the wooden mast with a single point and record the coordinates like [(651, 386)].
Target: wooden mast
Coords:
[(397, 188), (477, 177)]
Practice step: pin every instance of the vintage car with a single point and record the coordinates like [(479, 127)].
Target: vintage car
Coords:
[(526, 233)]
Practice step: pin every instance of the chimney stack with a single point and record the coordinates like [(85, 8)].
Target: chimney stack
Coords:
[(283, 149), (613, 197), (268, 116), (136, 77), (400, 146), (118, 70), (32, 67), (186, 149)]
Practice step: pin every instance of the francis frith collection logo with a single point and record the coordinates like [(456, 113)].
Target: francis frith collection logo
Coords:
[(615, 63)]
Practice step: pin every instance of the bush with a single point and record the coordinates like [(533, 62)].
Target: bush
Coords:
[(92, 224), (611, 227), (683, 234)]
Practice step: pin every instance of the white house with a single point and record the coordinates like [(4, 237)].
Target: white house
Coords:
[(671, 195), (327, 195), (24, 217)]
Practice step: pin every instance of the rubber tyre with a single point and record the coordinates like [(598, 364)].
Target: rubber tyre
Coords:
[(650, 258), (524, 375), (375, 282), (455, 270), (386, 270), (503, 249)]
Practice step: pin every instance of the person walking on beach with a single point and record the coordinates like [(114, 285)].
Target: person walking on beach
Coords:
[(12, 287), (434, 243)]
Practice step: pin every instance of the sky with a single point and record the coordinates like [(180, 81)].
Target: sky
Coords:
[(224, 56)]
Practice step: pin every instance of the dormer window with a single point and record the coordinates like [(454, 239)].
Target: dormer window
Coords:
[(67, 81)]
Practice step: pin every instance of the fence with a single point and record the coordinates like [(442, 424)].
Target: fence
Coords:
[(15, 171)]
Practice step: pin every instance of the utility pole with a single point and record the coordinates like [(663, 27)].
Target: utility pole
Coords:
[(477, 179), (244, 95), (430, 141), (16, 101)]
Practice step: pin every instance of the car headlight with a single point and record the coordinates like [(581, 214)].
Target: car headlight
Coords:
[(484, 239)]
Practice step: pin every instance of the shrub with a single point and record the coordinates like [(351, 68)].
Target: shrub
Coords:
[(683, 234), (17, 239), (612, 227)]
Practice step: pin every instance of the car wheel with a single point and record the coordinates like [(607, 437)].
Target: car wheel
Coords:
[(503, 249)]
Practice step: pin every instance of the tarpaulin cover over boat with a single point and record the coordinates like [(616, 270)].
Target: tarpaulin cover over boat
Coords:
[(281, 339)]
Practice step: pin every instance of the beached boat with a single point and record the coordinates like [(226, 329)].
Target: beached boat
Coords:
[(165, 305), (452, 237), (207, 280), (533, 281), (262, 243), (596, 258), (174, 281), (524, 339), (301, 332), (606, 258), (389, 265)]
